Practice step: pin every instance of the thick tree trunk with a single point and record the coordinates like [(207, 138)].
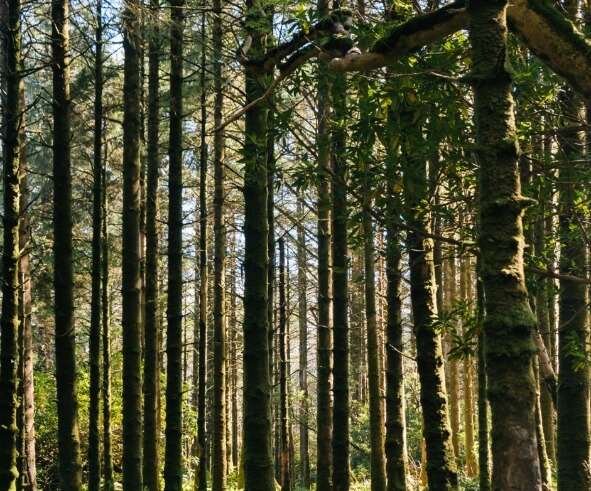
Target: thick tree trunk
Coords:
[(509, 321), (130, 289), (65, 342), (258, 453), (9, 349)]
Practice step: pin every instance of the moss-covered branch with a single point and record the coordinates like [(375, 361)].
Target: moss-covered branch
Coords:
[(542, 28)]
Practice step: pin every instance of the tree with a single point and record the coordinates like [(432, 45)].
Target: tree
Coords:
[(509, 322), (441, 468), (151, 389), (131, 325), (94, 462), (173, 464), (258, 454), (65, 340), (324, 358), (219, 470), (9, 349)]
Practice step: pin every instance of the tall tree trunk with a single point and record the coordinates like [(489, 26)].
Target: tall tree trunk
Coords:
[(65, 341), (466, 294), (283, 369), (303, 349), (396, 457), (324, 360), (573, 438), (219, 469), (340, 278), (94, 461), (509, 322), (151, 437), (130, 289), (483, 412), (201, 474), (452, 365), (173, 458), (258, 454), (106, 344), (9, 349), (547, 385), (441, 467), (26, 310), (376, 405)]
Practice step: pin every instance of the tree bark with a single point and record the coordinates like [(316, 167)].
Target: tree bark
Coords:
[(258, 453), (130, 289), (376, 405), (219, 468), (324, 359), (573, 442), (65, 341), (9, 348), (303, 350), (173, 457), (151, 437), (94, 461), (441, 467), (509, 321), (106, 344), (340, 274)]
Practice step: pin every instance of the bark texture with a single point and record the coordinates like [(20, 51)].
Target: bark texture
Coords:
[(509, 322), (9, 326), (130, 288), (65, 341)]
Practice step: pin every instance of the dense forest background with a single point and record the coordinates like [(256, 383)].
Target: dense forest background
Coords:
[(288, 245)]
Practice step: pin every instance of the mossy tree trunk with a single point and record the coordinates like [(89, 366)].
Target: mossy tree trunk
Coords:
[(441, 467), (65, 341), (9, 349), (340, 278), (509, 322), (396, 456), (132, 456)]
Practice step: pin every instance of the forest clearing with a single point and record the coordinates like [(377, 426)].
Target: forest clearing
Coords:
[(273, 245)]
